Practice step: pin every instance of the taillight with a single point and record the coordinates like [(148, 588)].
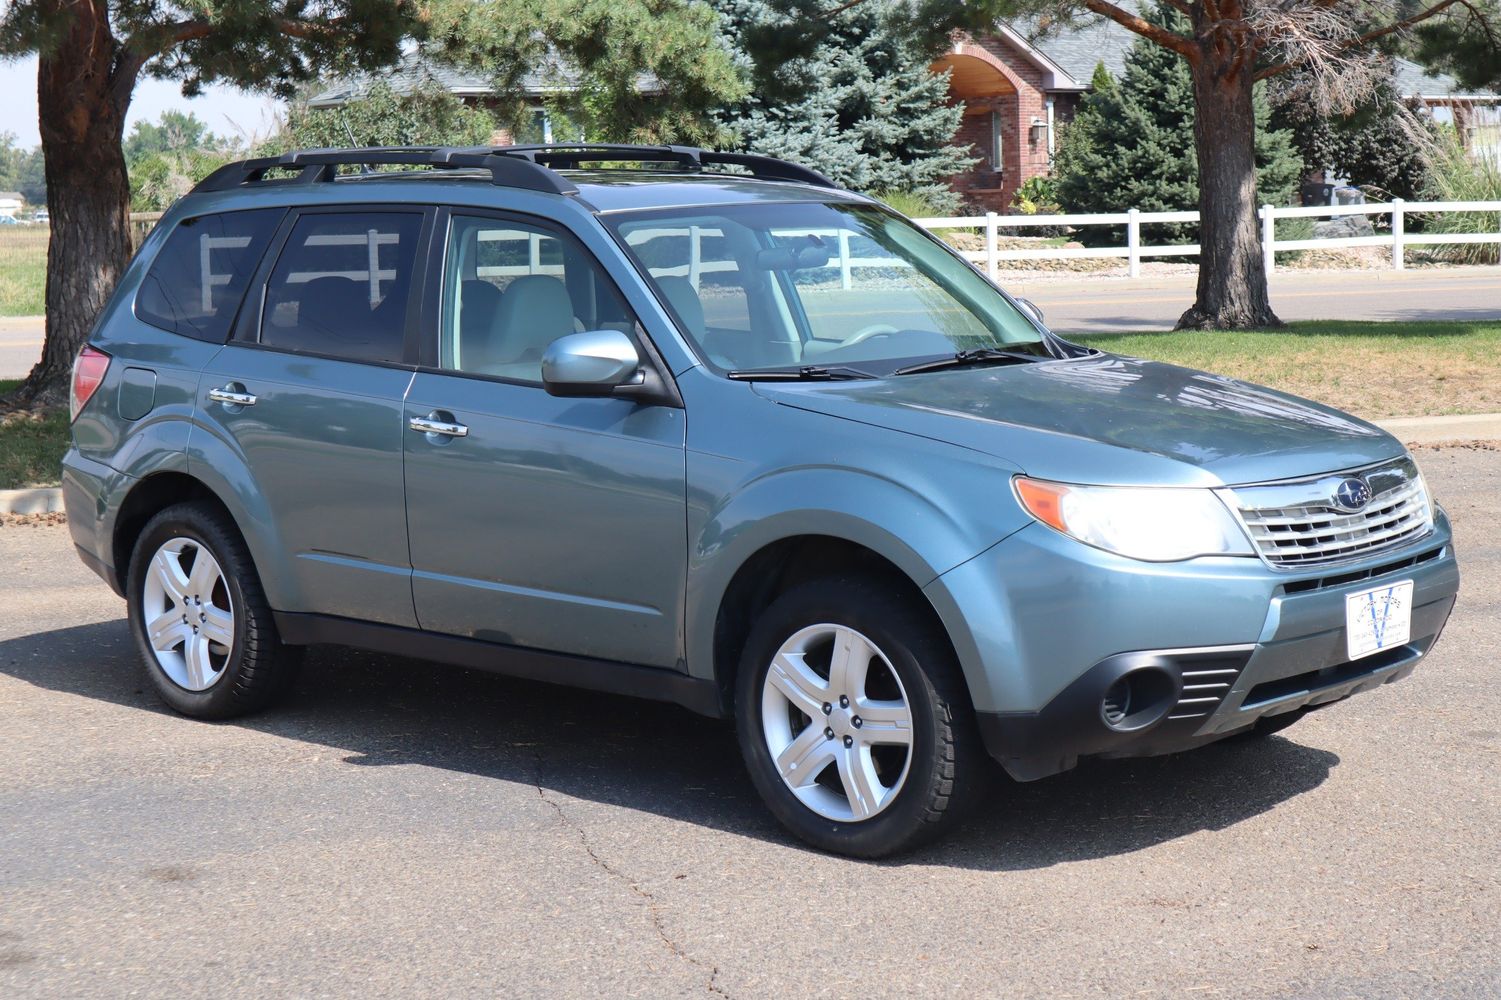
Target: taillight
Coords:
[(88, 375)]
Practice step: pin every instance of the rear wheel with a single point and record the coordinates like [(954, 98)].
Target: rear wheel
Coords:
[(201, 622), (854, 720)]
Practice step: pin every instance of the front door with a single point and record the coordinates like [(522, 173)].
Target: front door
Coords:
[(555, 524), (311, 395)]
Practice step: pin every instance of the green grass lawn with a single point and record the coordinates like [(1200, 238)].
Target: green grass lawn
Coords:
[(1370, 369), (31, 445), (23, 270)]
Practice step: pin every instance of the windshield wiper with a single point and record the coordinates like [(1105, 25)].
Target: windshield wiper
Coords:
[(804, 373), (978, 356)]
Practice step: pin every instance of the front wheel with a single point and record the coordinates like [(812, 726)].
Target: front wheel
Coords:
[(854, 720)]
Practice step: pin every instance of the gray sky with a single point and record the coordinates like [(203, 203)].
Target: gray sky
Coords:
[(227, 111)]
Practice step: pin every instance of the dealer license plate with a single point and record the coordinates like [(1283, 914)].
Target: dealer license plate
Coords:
[(1379, 618)]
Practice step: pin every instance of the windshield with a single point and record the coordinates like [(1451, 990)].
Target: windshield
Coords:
[(770, 286)]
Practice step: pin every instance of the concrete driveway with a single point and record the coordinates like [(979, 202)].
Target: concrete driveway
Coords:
[(403, 830)]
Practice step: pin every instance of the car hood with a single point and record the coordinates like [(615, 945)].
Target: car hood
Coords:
[(1108, 419)]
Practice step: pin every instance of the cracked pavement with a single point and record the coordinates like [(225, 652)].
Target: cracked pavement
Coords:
[(399, 829)]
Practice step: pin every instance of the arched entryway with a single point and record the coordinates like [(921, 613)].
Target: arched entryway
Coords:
[(979, 81)]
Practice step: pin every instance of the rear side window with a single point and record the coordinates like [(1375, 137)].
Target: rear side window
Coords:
[(195, 285), (341, 286)]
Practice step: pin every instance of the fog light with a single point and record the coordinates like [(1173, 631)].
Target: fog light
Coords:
[(1139, 699)]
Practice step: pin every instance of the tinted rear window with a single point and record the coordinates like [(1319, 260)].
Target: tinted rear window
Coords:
[(341, 285), (196, 283)]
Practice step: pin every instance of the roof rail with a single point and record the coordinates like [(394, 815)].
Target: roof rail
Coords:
[(314, 165), (567, 156), (532, 168)]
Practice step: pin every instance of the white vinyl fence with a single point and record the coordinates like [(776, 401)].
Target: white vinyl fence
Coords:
[(1135, 251)]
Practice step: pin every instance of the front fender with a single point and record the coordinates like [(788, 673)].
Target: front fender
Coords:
[(908, 525)]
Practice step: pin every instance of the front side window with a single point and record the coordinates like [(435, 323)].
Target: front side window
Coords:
[(510, 289), (342, 284), (195, 285), (763, 286)]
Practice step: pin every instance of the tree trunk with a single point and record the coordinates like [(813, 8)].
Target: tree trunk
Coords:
[(1232, 292), (83, 92)]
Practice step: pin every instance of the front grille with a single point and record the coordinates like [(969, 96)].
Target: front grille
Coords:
[(1298, 524)]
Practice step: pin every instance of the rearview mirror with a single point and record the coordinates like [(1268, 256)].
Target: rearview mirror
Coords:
[(794, 258), (594, 363)]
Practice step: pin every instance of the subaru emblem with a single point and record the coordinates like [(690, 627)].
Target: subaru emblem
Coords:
[(1352, 495)]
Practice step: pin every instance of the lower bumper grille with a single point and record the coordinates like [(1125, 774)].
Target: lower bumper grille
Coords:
[(1207, 678)]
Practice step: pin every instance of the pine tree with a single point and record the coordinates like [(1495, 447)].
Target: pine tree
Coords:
[(862, 107), (1131, 145)]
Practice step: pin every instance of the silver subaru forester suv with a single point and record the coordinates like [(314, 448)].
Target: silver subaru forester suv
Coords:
[(715, 432)]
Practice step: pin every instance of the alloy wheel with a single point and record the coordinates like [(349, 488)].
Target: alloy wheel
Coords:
[(188, 614), (837, 722)]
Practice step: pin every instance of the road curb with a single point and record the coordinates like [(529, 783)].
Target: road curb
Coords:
[(37, 501), (1429, 430)]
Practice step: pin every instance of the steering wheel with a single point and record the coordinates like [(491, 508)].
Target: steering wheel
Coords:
[(863, 334)]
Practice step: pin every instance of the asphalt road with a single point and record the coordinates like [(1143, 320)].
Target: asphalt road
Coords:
[(1115, 304), (20, 345), (402, 830), (1118, 305)]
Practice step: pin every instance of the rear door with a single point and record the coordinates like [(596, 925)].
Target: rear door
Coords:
[(310, 393), (555, 524)]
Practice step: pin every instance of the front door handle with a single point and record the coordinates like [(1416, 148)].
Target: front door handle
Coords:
[(433, 424), (233, 394)]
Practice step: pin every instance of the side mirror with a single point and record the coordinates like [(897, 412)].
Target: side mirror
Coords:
[(1033, 309), (593, 363)]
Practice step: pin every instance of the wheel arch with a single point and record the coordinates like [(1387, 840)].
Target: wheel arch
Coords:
[(160, 490), (780, 565), (148, 497)]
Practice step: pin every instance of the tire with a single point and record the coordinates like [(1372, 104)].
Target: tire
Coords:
[(909, 797), (208, 679)]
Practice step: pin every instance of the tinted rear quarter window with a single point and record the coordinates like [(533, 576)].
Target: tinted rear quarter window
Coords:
[(196, 284), (342, 284)]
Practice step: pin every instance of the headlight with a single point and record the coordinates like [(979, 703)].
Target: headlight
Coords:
[(1155, 525)]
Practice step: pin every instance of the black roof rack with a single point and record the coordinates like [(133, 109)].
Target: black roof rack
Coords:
[(532, 168), (315, 165), (563, 156)]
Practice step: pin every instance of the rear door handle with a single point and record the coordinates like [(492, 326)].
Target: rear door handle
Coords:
[(231, 395), (432, 424)]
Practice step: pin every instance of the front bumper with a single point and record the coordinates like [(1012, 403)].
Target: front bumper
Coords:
[(1218, 664)]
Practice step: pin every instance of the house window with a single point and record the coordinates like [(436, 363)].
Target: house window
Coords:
[(997, 160)]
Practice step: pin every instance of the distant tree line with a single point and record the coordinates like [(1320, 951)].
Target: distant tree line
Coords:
[(22, 170)]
